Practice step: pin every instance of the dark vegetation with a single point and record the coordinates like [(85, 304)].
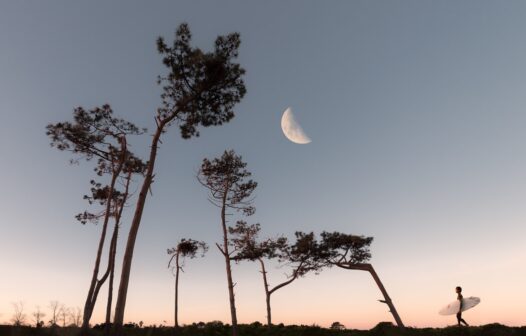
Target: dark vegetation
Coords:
[(257, 329)]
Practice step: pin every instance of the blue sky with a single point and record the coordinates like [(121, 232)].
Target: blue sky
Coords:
[(416, 114)]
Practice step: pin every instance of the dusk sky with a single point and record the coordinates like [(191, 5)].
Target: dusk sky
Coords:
[(417, 115)]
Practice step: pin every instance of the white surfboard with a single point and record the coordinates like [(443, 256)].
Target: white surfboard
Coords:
[(467, 303)]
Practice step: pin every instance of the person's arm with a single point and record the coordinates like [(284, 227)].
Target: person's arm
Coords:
[(460, 305)]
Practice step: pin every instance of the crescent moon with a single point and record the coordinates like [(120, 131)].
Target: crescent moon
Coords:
[(292, 129)]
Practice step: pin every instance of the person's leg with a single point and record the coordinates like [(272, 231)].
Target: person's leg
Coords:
[(460, 319)]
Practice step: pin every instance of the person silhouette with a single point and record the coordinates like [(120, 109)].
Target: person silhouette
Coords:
[(458, 290)]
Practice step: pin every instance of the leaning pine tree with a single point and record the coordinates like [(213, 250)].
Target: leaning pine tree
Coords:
[(352, 253), (230, 189), (200, 89)]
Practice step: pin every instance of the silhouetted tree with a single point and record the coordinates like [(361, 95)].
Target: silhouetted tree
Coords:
[(131, 167), (38, 315), (76, 316), (63, 314), (200, 89), (19, 317), (300, 257), (352, 252), (98, 134), (54, 306), (117, 205), (230, 189), (337, 326), (186, 248)]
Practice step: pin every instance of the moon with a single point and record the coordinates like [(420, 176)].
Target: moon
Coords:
[(292, 129)]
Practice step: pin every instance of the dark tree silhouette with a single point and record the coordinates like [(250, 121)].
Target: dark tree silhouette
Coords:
[(186, 248), (38, 315), (200, 89), (131, 166), (63, 314), (98, 134), (301, 257), (230, 189), (55, 309), (337, 326), (19, 317), (118, 203), (352, 252), (76, 316)]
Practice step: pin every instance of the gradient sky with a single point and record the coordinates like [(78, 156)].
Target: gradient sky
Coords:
[(416, 110)]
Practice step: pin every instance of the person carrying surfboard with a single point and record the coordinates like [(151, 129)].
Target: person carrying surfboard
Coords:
[(459, 314)]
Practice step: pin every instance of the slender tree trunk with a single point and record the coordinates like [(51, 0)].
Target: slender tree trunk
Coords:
[(107, 328), (113, 252), (267, 293), (176, 320), (387, 300), (92, 296), (134, 229), (95, 283), (226, 253)]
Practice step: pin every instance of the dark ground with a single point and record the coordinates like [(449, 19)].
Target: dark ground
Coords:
[(256, 329)]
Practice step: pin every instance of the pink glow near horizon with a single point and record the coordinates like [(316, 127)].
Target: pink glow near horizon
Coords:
[(347, 297)]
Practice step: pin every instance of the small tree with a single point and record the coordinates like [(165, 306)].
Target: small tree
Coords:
[(299, 257), (186, 248), (352, 253), (76, 316), (200, 89), (38, 315), (64, 314), (54, 306), (230, 189), (19, 317), (337, 326)]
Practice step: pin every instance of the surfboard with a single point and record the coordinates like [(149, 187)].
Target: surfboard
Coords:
[(467, 303)]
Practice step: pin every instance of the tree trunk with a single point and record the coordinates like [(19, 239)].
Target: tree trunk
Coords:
[(92, 295), (134, 229), (113, 252), (267, 293), (107, 328), (387, 300), (176, 320), (95, 286), (226, 253)]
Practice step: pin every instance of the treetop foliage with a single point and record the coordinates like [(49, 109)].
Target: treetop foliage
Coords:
[(304, 253), (243, 240), (93, 133), (201, 88), (341, 248), (96, 133), (226, 179), (188, 248)]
